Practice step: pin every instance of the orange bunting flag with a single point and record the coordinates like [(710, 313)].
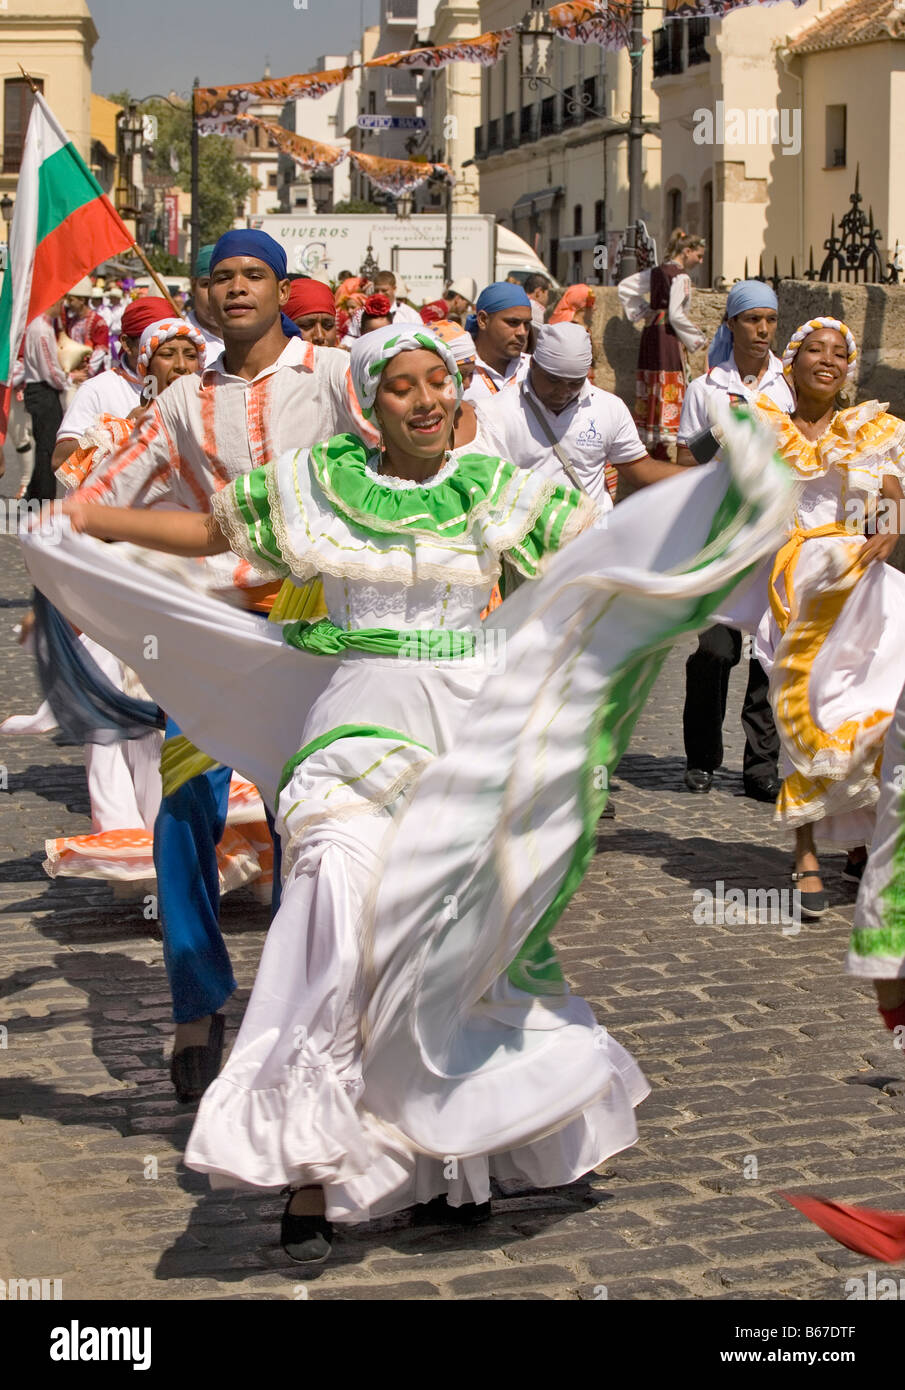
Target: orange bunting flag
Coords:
[(310, 154), (397, 176), (486, 49), (714, 9), (218, 107), (593, 21)]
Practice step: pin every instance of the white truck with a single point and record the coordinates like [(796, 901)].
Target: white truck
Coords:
[(412, 247)]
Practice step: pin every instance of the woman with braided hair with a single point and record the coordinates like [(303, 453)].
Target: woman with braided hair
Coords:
[(833, 637)]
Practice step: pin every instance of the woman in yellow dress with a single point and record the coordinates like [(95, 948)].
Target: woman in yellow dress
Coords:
[(834, 634)]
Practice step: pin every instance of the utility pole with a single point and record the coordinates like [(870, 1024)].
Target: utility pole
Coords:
[(629, 263), (196, 171)]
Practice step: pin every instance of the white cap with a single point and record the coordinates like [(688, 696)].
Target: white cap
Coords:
[(563, 349), (464, 286)]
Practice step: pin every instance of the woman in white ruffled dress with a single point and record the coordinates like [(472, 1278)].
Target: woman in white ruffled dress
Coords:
[(437, 782), (834, 635)]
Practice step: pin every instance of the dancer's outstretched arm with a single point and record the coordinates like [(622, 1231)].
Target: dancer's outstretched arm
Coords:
[(178, 533)]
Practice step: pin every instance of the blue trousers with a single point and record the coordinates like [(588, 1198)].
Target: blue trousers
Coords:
[(188, 828)]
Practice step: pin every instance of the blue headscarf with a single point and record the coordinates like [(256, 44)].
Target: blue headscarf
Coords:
[(500, 295), (246, 242), (747, 294)]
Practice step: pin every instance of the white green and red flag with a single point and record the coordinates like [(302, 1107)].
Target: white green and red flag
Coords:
[(63, 226)]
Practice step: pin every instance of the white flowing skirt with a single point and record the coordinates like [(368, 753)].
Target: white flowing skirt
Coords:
[(409, 1032), (835, 676)]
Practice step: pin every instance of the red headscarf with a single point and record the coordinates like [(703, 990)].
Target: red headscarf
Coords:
[(141, 313), (434, 312), (309, 297)]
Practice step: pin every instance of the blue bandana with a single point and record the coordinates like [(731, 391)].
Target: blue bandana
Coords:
[(502, 295), (246, 242), (747, 294)]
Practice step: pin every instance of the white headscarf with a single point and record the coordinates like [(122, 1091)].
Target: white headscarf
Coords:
[(156, 334), (563, 349), (371, 354)]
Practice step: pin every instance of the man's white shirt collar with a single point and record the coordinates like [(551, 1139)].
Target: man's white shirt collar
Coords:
[(727, 375), (296, 353)]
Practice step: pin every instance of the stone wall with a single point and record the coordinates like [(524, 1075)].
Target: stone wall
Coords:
[(874, 313)]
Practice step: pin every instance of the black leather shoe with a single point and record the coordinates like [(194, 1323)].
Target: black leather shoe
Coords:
[(193, 1069), (307, 1240), (438, 1212), (768, 790), (853, 869), (697, 780)]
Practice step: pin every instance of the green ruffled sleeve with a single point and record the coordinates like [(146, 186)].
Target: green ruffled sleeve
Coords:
[(243, 510), (563, 515)]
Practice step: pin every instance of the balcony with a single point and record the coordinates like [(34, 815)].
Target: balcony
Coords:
[(548, 116), (668, 49), (698, 29), (493, 137), (680, 45), (526, 124), (510, 133), (479, 142)]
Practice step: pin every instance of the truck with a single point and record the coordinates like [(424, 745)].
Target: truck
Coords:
[(322, 245)]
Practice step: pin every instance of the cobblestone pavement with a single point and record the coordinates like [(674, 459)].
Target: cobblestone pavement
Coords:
[(768, 1067)]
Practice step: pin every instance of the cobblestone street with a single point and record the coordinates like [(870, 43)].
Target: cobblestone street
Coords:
[(769, 1068)]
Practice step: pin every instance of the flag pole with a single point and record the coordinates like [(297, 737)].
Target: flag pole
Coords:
[(156, 278), (135, 247)]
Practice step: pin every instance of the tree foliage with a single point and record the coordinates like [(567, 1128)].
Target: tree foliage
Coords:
[(223, 183), (357, 205)]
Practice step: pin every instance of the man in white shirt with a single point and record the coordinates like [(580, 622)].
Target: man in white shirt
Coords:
[(499, 326), (44, 380), (268, 392), (201, 315), (537, 288), (115, 392), (742, 366), (556, 423)]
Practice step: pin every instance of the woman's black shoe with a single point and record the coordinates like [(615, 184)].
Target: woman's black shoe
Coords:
[(193, 1069), (438, 1212), (307, 1240), (811, 904)]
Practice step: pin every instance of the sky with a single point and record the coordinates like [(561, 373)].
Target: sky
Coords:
[(163, 45)]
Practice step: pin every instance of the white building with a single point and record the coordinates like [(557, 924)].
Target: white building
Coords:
[(552, 167), (325, 120), (451, 100), (254, 150)]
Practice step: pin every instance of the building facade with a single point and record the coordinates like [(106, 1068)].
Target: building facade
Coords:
[(854, 49), (323, 119), (451, 101), (551, 165), (54, 41)]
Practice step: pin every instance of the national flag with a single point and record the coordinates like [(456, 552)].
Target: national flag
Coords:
[(63, 226)]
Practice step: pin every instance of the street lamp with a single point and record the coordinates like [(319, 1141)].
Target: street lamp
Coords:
[(322, 189), (534, 53), (6, 209)]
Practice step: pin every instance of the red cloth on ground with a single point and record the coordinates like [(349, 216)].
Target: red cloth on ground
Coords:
[(879, 1234), (893, 1018)]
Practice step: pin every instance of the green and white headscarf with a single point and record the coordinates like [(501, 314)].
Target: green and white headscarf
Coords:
[(371, 353)]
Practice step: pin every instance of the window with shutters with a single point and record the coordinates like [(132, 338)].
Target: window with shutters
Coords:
[(18, 99)]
